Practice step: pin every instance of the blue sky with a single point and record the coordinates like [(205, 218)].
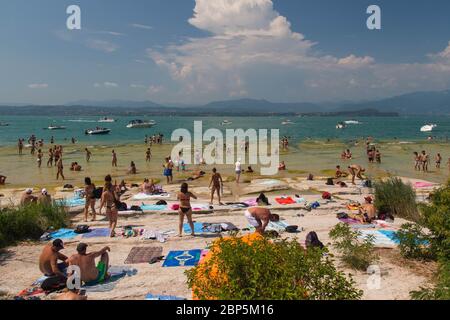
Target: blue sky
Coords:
[(196, 51)]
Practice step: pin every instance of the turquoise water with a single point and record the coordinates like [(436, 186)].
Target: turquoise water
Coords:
[(383, 128)]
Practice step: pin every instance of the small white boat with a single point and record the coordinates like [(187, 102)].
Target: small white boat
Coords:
[(56, 128), (97, 131), (428, 127), (352, 122), (4, 124), (226, 123), (287, 122), (340, 125), (140, 124), (105, 119)]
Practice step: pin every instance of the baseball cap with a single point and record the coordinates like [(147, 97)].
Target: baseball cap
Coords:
[(44, 191), (29, 191), (58, 243)]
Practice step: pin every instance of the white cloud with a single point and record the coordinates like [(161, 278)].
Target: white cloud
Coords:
[(137, 86), (106, 84), (153, 89), (253, 51), (38, 86), (111, 33), (102, 45), (141, 26)]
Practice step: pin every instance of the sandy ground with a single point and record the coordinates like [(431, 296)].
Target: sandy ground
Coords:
[(18, 265)]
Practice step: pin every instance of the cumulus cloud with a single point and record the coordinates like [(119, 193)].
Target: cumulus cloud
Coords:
[(106, 84), (38, 86), (253, 51), (102, 45)]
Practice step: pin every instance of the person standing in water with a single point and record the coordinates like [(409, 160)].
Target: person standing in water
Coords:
[(425, 160), (216, 185), (39, 158), (438, 160), (50, 158), (88, 154), (89, 189), (417, 161), (184, 196), (110, 201), (60, 167), (114, 159)]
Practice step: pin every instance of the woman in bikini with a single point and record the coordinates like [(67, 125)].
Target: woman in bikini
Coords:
[(89, 189), (184, 196), (110, 201)]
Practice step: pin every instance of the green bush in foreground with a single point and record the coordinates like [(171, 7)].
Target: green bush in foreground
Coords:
[(263, 269), (29, 222), (413, 242), (397, 198), (355, 253)]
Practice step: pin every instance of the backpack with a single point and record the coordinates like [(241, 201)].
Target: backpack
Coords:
[(291, 229), (262, 200), (82, 229), (342, 215), (161, 203), (330, 182), (312, 240), (326, 196), (98, 192)]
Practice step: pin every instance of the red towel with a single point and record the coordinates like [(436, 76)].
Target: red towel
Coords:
[(285, 201)]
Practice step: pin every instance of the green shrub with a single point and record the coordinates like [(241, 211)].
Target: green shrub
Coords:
[(355, 253), (441, 290), (394, 197), (29, 222), (262, 269), (412, 238)]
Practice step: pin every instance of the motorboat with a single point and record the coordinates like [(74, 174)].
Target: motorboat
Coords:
[(226, 123), (105, 119), (352, 122), (287, 122), (341, 125), (4, 124), (56, 128), (428, 127), (140, 124), (97, 131)]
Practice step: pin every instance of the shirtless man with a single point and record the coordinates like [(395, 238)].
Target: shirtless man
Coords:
[(367, 212), (28, 198), (44, 198), (148, 187), (438, 160), (355, 170), (216, 185), (89, 272), (88, 154), (60, 168), (48, 260), (260, 218), (114, 159), (109, 201)]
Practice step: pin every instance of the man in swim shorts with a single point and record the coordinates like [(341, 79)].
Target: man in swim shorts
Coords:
[(90, 273), (48, 260), (260, 218)]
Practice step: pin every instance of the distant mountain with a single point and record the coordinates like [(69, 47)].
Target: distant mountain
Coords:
[(420, 103), (260, 106), (115, 104)]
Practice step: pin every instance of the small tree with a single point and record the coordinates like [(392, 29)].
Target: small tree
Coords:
[(237, 269)]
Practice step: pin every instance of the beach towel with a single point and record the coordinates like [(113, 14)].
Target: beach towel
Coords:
[(279, 226), (300, 200), (156, 235), (144, 196), (200, 207), (250, 202), (421, 184), (228, 226), (159, 297), (116, 273), (64, 234), (97, 233), (183, 258), (237, 205), (71, 202), (380, 239), (202, 227), (143, 254), (153, 207), (285, 200)]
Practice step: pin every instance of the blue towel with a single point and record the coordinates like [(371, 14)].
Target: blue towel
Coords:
[(393, 236), (183, 258), (158, 297), (97, 233), (198, 227), (153, 207), (63, 234), (72, 202)]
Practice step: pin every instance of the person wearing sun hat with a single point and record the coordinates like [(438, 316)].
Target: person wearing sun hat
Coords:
[(44, 198), (27, 197)]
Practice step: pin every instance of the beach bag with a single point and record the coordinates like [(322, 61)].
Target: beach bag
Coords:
[(82, 229), (122, 206), (315, 205), (291, 229), (135, 208), (326, 196), (342, 215), (98, 193), (312, 240), (330, 182), (161, 203), (262, 200)]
